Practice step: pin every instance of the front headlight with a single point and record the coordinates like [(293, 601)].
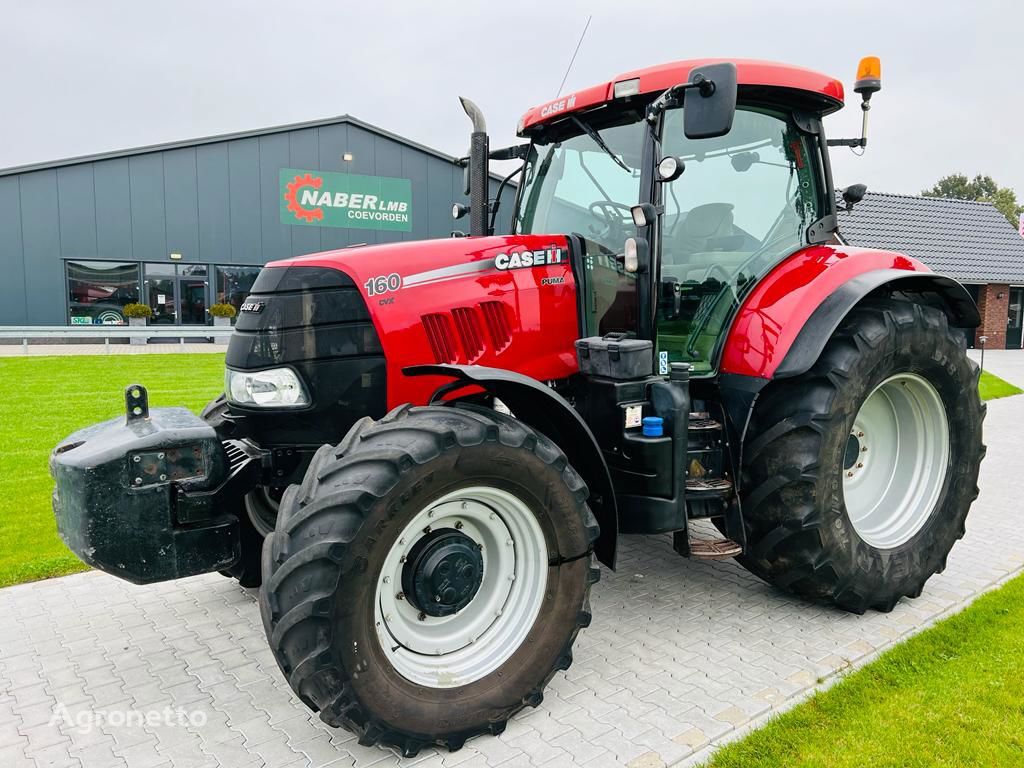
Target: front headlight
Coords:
[(276, 388)]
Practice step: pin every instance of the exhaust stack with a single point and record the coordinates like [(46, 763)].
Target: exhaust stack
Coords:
[(478, 172)]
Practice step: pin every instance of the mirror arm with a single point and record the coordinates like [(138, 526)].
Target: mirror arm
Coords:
[(670, 97), (496, 203)]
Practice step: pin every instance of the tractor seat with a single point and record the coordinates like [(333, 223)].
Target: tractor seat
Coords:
[(705, 237), (701, 231)]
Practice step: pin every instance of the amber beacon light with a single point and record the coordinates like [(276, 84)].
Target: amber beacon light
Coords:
[(869, 76), (868, 82)]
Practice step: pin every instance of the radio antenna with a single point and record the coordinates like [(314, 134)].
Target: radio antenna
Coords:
[(573, 59)]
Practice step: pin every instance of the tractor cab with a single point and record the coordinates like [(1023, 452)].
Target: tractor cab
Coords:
[(678, 218)]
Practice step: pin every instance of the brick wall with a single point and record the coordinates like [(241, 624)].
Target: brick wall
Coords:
[(993, 314)]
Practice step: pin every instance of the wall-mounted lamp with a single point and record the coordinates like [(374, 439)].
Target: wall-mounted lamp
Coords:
[(1000, 295), (347, 157), (175, 257)]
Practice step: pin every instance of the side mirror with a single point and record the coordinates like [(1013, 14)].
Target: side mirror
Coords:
[(709, 108), (744, 161), (853, 194)]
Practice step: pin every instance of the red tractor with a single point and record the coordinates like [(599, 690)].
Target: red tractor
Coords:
[(423, 446)]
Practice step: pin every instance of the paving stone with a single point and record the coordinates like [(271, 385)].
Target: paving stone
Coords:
[(13, 756), (647, 760), (56, 756), (691, 737), (681, 656)]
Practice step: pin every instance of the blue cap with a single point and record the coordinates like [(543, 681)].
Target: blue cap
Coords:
[(654, 426)]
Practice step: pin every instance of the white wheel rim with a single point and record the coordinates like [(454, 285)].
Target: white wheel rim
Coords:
[(455, 650), (895, 461)]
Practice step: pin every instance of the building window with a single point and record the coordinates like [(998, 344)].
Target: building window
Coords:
[(98, 291), (234, 284)]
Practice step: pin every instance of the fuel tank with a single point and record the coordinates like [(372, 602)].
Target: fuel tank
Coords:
[(504, 301)]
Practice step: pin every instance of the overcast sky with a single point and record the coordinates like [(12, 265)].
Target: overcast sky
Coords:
[(83, 77)]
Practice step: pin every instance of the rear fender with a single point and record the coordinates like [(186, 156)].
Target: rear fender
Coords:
[(937, 290), (548, 412), (785, 321)]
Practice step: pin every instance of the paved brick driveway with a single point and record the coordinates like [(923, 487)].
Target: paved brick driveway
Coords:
[(680, 655)]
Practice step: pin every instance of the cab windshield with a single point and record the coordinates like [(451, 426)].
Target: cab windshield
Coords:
[(575, 186)]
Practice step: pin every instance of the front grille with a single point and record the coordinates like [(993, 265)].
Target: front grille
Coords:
[(306, 313), (313, 319)]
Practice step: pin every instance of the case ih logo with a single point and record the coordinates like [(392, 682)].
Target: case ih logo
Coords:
[(558, 106), (520, 259), (345, 200)]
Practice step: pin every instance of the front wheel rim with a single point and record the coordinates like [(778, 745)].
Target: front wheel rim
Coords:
[(895, 461), (458, 649)]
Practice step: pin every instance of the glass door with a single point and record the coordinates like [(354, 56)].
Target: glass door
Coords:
[(160, 291), (192, 300), (1014, 318)]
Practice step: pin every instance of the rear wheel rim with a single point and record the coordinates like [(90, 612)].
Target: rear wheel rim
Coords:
[(895, 461), (455, 650)]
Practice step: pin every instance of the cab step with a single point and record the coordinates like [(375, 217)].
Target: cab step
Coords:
[(701, 422), (714, 549), (704, 487)]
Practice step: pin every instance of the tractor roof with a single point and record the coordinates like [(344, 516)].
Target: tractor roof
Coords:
[(825, 91)]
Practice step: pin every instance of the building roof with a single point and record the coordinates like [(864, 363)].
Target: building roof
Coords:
[(969, 241), (340, 119)]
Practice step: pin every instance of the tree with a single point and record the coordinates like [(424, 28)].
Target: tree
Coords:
[(981, 188)]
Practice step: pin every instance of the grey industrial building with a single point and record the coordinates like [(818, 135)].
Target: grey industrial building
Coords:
[(185, 225)]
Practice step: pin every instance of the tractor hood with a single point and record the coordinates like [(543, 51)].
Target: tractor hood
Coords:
[(428, 261), (502, 301)]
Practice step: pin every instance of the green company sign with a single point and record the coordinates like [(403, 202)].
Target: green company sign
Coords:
[(323, 199)]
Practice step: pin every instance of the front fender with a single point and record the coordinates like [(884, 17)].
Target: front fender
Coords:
[(786, 320), (551, 414)]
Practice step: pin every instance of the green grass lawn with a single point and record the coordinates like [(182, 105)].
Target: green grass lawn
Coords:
[(991, 387), (47, 398), (950, 696)]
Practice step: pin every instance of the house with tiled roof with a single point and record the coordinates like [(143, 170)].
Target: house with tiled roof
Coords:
[(966, 240)]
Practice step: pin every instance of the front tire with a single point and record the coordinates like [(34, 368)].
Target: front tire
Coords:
[(429, 576), (859, 473)]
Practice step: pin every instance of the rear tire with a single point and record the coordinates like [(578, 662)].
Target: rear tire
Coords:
[(346, 627), (825, 522)]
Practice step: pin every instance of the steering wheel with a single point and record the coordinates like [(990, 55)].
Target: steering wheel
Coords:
[(614, 217)]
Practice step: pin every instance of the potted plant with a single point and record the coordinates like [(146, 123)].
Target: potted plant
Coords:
[(137, 314), (222, 314)]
